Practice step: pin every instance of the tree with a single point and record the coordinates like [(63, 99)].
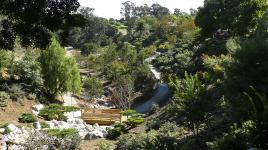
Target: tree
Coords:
[(94, 87), (190, 101), (124, 92), (29, 70), (159, 11), (60, 73), (5, 59), (33, 20), (239, 16)]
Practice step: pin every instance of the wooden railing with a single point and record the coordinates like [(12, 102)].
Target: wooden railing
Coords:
[(101, 116)]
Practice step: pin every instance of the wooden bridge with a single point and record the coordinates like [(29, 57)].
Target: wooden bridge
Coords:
[(101, 116)]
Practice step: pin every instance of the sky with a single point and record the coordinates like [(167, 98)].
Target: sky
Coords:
[(111, 8)]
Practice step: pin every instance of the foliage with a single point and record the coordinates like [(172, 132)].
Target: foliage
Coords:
[(34, 29), (29, 70), (142, 141), (56, 111), (153, 123), (4, 97), (6, 59), (237, 138), (104, 145), (27, 118), (93, 86), (60, 73), (248, 69), (238, 16), (118, 130), (66, 139), (44, 125), (124, 92), (190, 99), (16, 92), (134, 121)]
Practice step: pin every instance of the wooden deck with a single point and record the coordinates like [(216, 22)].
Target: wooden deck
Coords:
[(101, 116)]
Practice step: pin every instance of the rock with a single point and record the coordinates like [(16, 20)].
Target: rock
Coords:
[(36, 108), (96, 126), (15, 147), (16, 135), (3, 145), (13, 128), (37, 125), (2, 130), (73, 114)]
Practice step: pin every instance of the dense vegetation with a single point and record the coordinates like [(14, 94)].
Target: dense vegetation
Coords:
[(214, 61)]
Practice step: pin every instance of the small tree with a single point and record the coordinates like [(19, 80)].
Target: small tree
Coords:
[(60, 73), (94, 87), (190, 101), (124, 92)]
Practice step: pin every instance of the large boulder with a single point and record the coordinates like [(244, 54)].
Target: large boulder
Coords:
[(16, 135), (73, 114), (36, 108), (3, 145)]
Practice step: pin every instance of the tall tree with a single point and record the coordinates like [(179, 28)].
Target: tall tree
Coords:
[(60, 73), (239, 16), (159, 11), (32, 20)]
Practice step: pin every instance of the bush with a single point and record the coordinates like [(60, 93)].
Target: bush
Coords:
[(155, 108), (16, 92), (93, 86), (67, 139), (134, 121), (44, 125), (117, 131), (29, 70), (6, 59), (237, 138), (104, 145), (56, 111), (144, 141), (4, 97), (27, 118), (154, 123)]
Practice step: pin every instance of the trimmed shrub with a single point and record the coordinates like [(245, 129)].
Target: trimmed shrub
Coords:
[(154, 123), (4, 97), (44, 125), (27, 118), (117, 131), (104, 145), (134, 121), (56, 111)]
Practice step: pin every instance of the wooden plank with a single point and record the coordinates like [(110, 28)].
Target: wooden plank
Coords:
[(101, 116)]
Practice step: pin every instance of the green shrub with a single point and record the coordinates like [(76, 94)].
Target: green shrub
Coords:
[(44, 125), (117, 131), (154, 123), (155, 108), (29, 70), (27, 118), (144, 141), (56, 111), (4, 97), (104, 145), (69, 138), (237, 138), (134, 121)]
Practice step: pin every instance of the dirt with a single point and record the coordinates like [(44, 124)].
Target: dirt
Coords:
[(13, 110)]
